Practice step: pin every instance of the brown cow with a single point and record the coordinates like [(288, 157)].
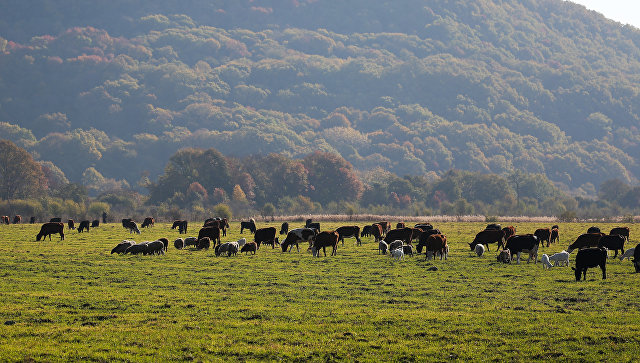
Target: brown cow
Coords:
[(5, 219), (436, 243), (223, 224), (489, 236), (543, 234), (17, 219), (48, 229), (249, 247), (376, 231), (424, 236), (509, 231), (585, 240), (386, 226)]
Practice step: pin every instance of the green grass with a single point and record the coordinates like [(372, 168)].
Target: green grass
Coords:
[(72, 300)]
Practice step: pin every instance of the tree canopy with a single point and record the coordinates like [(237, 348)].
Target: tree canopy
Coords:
[(541, 86)]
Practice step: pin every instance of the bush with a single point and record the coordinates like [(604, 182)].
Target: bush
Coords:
[(567, 216), (223, 211), (491, 219)]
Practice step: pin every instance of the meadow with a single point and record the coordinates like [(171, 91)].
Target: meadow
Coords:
[(72, 300)]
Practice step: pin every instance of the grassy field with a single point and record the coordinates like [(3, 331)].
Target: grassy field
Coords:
[(72, 300)]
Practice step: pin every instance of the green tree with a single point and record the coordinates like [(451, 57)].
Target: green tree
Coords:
[(223, 211), (268, 209), (332, 178), (20, 175)]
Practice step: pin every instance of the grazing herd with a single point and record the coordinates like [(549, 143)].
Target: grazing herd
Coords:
[(592, 247)]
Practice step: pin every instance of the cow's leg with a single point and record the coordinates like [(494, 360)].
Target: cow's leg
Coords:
[(603, 267), (518, 260)]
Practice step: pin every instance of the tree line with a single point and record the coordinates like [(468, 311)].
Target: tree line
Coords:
[(201, 182)]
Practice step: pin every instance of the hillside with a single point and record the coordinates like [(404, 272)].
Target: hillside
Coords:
[(542, 86)]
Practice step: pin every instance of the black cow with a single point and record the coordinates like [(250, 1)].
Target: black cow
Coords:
[(284, 229), (593, 229), (527, 243), (590, 257), (250, 225), (32, 220), (424, 226), (366, 231), (84, 226), (543, 234), (181, 225), (323, 240), (267, 236), (50, 228), (71, 224), (555, 235), (636, 258), (613, 242), (347, 232), (623, 231), (493, 226), (314, 225), (52, 220), (585, 240), (212, 232), (95, 223), (403, 234), (148, 222), (488, 236)]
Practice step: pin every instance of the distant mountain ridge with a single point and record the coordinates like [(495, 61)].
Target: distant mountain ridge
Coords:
[(416, 87)]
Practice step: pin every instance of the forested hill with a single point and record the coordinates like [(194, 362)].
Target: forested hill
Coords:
[(416, 87)]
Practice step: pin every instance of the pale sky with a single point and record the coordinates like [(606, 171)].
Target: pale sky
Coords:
[(623, 11)]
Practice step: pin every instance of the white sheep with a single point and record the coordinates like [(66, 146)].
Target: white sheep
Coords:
[(545, 261), (479, 250), (560, 258), (241, 242), (383, 246), (233, 249), (397, 254), (628, 253)]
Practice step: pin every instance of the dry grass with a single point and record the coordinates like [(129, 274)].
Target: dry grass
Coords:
[(439, 218)]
